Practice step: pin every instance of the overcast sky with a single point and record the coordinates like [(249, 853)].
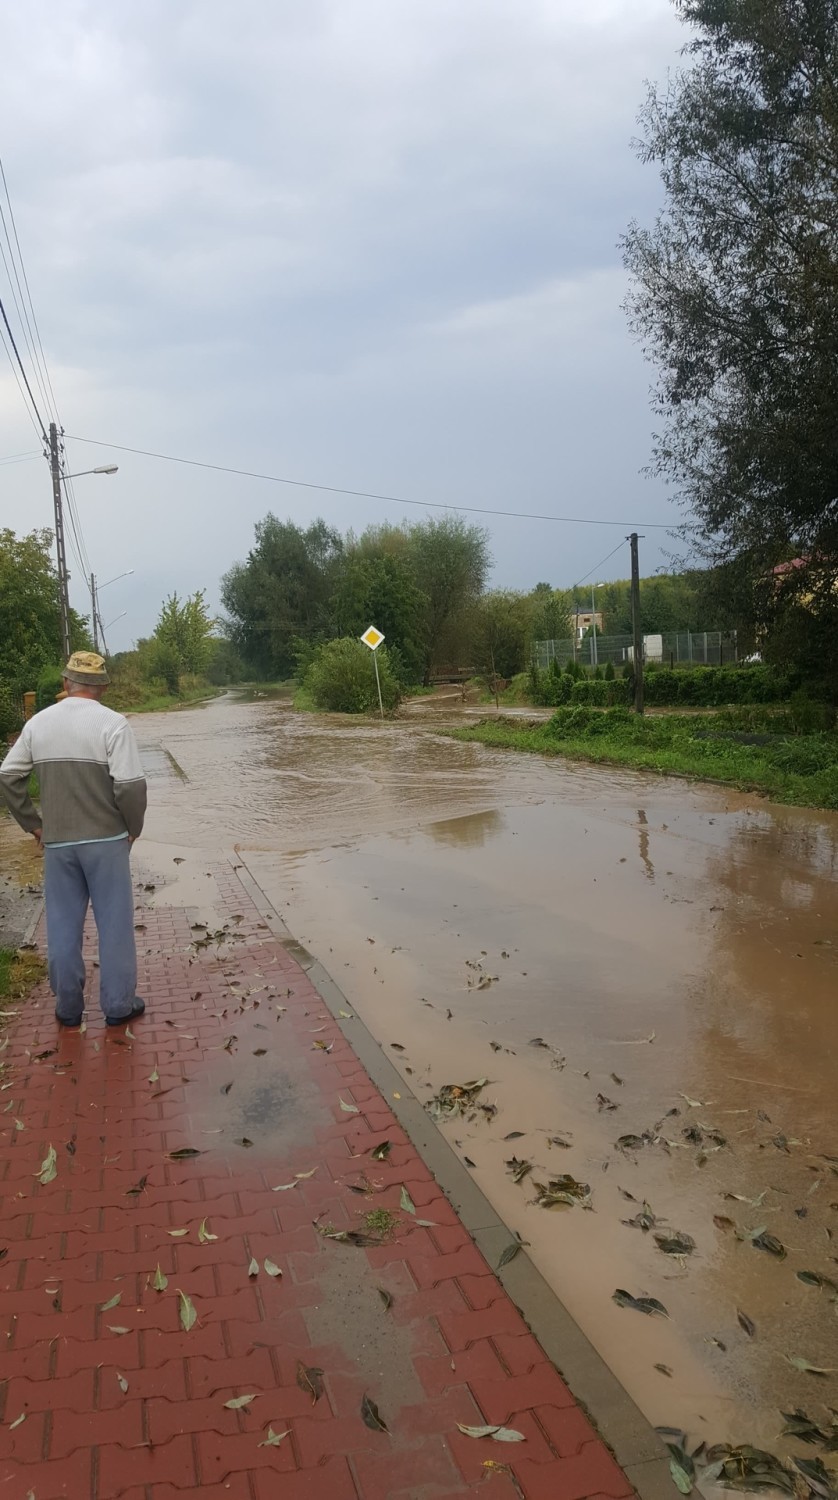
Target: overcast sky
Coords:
[(367, 243)]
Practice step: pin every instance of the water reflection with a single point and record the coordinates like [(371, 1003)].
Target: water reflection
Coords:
[(643, 829), (470, 832)]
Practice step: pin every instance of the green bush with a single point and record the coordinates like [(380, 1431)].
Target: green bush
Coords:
[(609, 671), (11, 713), (50, 683), (341, 678)]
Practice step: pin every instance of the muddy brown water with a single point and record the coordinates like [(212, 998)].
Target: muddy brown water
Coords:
[(616, 954)]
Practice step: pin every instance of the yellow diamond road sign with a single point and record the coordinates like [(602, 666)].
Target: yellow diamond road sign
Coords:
[(372, 638)]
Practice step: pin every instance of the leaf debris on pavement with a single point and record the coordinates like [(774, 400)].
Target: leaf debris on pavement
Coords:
[(649, 1305), (371, 1416), (310, 1380), (159, 1280), (237, 1403), (48, 1170), (204, 1236), (562, 1192), (272, 1439), (271, 1269), (188, 1315), (455, 1098)]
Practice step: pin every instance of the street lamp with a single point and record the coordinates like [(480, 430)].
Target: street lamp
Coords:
[(594, 654), (102, 469), (114, 620), (95, 591)]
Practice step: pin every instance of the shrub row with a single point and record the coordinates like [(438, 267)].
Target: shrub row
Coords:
[(694, 687)]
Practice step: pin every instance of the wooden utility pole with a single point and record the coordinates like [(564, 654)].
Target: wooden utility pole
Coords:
[(637, 635), (60, 550), (94, 612)]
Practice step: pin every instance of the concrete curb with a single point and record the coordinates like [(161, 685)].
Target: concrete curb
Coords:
[(633, 1441)]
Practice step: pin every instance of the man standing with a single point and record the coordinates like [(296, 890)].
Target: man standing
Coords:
[(93, 800)]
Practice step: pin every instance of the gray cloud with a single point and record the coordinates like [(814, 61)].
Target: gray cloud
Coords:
[(371, 244)]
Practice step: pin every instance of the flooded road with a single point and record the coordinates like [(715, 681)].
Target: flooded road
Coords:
[(621, 957)]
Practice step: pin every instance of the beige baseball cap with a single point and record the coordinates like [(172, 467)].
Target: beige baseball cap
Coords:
[(88, 668)]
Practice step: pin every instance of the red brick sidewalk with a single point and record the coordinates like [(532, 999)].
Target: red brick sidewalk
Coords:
[(105, 1394)]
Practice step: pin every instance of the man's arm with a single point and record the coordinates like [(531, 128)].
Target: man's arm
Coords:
[(129, 784), (14, 784)]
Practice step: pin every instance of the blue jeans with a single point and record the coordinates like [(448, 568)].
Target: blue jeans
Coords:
[(75, 876)]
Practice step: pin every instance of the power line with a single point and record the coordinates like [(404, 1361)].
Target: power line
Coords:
[(43, 432), (38, 434), (19, 458), (26, 284), (23, 316), (597, 566), (335, 489)]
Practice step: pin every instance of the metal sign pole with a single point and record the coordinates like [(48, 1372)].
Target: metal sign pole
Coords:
[(373, 639), (378, 682)]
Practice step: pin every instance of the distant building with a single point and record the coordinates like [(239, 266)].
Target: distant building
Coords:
[(583, 619)]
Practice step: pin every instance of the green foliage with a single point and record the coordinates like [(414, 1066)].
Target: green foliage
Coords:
[(736, 294), (341, 678), (451, 560), (30, 618), (502, 633), (11, 713), (225, 665), (696, 687), (610, 674), (50, 683), (282, 593), (380, 588), (182, 640), (551, 618), (754, 748)]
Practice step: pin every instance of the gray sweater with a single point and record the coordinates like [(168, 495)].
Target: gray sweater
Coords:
[(88, 768)]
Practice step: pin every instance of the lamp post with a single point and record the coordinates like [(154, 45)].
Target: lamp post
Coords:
[(95, 591), (60, 549), (594, 653)]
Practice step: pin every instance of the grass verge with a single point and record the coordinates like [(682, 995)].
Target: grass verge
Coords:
[(742, 748), (18, 973)]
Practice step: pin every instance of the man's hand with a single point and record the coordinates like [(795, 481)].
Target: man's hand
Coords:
[(38, 836)]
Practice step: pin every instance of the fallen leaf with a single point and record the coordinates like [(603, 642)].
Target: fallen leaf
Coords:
[(114, 1302), (515, 1135), (204, 1236), (139, 1187), (253, 1268), (682, 1477), (283, 1187), (675, 1244), (804, 1366), (273, 1439), (183, 1153), (508, 1254), (310, 1380), (348, 1109), (304, 1176), (154, 1077), (381, 1151), (746, 1324), (188, 1315), (271, 1269), (498, 1434), (122, 1383), (649, 1305), (386, 1297), (238, 1402), (664, 1370), (177, 1234), (243, 1141), (159, 1280), (371, 1416), (17, 1421), (814, 1278), (48, 1170), (406, 1202), (113, 1329), (762, 1240)]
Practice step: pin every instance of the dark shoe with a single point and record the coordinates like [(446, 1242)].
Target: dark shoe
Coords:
[(68, 1025), (136, 1010)]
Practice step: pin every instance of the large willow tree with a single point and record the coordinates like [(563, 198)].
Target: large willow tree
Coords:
[(735, 296)]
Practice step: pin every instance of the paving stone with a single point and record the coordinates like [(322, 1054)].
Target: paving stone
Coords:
[(123, 1416)]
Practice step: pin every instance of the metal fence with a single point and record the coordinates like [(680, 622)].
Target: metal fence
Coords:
[(681, 648)]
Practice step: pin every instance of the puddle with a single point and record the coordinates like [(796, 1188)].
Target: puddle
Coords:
[(470, 902)]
